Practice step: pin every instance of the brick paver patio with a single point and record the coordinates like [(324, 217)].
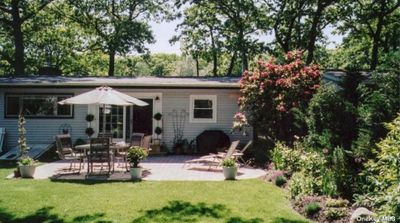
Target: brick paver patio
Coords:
[(155, 168)]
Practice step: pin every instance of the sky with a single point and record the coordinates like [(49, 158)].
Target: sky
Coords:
[(164, 31)]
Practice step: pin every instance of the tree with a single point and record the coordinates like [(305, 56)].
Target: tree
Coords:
[(201, 34), (298, 24), (13, 15), (272, 93), (242, 21), (372, 19), (119, 27)]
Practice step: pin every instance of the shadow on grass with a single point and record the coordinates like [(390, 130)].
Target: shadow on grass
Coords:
[(44, 215), (181, 211), (285, 220)]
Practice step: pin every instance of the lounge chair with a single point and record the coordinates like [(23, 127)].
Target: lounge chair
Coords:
[(2, 135), (238, 154), (216, 159), (146, 143), (65, 151)]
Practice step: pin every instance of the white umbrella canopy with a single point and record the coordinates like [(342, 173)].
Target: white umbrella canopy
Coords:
[(103, 96)]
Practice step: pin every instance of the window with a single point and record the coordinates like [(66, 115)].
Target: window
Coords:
[(203, 108), (37, 106), (114, 120)]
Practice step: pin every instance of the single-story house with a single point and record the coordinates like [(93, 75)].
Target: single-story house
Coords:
[(191, 105)]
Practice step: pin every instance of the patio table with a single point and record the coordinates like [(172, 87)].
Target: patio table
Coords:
[(115, 147)]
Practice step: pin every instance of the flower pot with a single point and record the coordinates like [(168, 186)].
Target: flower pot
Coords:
[(136, 173), (156, 142), (230, 173), (27, 171)]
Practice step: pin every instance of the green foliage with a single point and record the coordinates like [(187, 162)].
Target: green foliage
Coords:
[(158, 130), (23, 146), (337, 203), (383, 175), (26, 161), (335, 213), (89, 131), (280, 181), (277, 89), (312, 208), (158, 116), (285, 158), (330, 120), (89, 117), (135, 155), (302, 184), (228, 163)]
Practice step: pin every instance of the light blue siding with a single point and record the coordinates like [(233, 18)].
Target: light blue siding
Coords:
[(180, 100), (44, 130), (41, 131)]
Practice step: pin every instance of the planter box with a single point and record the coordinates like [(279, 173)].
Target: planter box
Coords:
[(27, 171), (230, 172)]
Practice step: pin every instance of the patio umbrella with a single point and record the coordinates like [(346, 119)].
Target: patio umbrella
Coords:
[(103, 96)]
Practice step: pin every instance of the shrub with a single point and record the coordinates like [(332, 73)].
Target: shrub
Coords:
[(278, 89), (382, 174), (330, 119), (301, 185), (89, 117), (157, 116), (312, 208), (89, 131), (335, 213), (280, 181), (337, 203), (228, 163), (135, 155), (286, 158), (329, 186), (158, 130)]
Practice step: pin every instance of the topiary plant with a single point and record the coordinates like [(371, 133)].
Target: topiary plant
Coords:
[(157, 116), (89, 117), (89, 131), (158, 130)]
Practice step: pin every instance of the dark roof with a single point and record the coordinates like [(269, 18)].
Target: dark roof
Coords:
[(139, 82)]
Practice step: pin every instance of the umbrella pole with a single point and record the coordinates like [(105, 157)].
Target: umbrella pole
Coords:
[(104, 118)]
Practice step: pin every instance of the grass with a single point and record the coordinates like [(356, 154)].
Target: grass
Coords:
[(245, 201)]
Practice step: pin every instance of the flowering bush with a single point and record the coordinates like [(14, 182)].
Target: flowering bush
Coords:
[(271, 91)]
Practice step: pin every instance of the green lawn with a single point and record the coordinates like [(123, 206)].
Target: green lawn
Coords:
[(79, 201)]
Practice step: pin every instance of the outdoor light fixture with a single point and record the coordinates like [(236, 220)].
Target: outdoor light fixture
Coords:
[(107, 109), (157, 98)]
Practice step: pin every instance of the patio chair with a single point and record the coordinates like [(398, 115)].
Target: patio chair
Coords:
[(146, 143), (137, 139), (216, 159), (2, 136), (99, 152), (65, 151), (108, 135)]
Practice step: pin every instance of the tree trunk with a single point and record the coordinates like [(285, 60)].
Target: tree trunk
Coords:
[(111, 63), (214, 53), (376, 41), (314, 29), (19, 63), (231, 64), (243, 52), (197, 66)]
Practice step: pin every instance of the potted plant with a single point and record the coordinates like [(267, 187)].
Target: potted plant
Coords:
[(89, 130), (135, 155), (158, 131), (27, 167), (230, 169)]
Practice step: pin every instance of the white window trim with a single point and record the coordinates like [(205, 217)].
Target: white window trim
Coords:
[(213, 98)]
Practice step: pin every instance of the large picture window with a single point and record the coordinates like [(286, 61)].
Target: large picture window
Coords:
[(37, 106), (203, 108)]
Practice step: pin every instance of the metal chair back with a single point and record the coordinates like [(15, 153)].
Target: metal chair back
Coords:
[(63, 145), (137, 139)]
